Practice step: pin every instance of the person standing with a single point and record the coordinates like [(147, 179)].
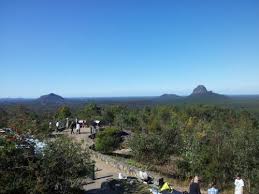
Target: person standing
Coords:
[(67, 123), (78, 127), (50, 125), (72, 127), (57, 125), (195, 187), (239, 185), (212, 189), (191, 181)]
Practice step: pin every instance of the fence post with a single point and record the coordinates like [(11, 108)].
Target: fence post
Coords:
[(93, 171)]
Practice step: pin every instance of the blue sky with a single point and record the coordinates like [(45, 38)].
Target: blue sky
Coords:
[(128, 48)]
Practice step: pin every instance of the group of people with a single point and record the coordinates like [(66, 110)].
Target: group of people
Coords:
[(73, 125), (194, 187)]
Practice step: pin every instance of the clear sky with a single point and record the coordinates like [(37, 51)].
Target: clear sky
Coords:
[(128, 47)]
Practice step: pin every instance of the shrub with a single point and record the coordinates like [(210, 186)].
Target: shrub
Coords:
[(64, 165), (59, 170), (155, 147), (108, 140), (63, 113), (149, 148)]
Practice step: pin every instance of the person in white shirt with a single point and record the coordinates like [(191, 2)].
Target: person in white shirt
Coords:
[(57, 125), (143, 175), (212, 189), (78, 127), (239, 185), (121, 176)]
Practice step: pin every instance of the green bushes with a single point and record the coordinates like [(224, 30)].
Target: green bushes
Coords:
[(22, 119), (220, 145), (155, 148), (108, 140), (59, 170), (64, 165), (148, 148), (63, 113), (215, 143), (3, 118)]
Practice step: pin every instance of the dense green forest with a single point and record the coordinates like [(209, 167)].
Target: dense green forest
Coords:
[(211, 141), (214, 142)]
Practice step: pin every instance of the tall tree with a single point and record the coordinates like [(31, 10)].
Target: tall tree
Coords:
[(63, 113)]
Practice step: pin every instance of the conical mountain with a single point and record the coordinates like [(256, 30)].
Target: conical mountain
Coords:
[(51, 99)]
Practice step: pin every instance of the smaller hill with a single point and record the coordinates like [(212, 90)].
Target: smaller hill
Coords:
[(167, 98), (51, 98), (171, 96)]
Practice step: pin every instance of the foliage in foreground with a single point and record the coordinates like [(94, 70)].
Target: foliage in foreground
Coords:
[(214, 143), (59, 170)]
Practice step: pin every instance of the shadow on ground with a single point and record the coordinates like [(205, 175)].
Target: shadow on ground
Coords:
[(114, 186), (103, 177), (100, 191)]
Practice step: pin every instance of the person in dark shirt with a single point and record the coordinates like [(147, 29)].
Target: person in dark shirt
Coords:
[(72, 127), (195, 187)]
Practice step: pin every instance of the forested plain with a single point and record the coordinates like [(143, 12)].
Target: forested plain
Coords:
[(212, 141)]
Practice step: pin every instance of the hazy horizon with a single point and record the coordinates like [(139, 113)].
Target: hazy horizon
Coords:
[(125, 96), (130, 48)]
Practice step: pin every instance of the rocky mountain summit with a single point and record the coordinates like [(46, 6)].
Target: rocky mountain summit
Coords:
[(201, 94), (201, 90)]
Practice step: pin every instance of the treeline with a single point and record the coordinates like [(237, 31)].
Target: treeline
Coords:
[(24, 120)]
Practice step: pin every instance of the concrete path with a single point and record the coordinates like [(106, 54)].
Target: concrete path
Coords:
[(104, 171)]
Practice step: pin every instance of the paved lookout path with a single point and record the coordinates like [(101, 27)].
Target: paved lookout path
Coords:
[(103, 171)]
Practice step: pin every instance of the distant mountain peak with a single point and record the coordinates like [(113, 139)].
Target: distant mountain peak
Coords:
[(199, 90), (51, 99), (201, 94), (167, 98)]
